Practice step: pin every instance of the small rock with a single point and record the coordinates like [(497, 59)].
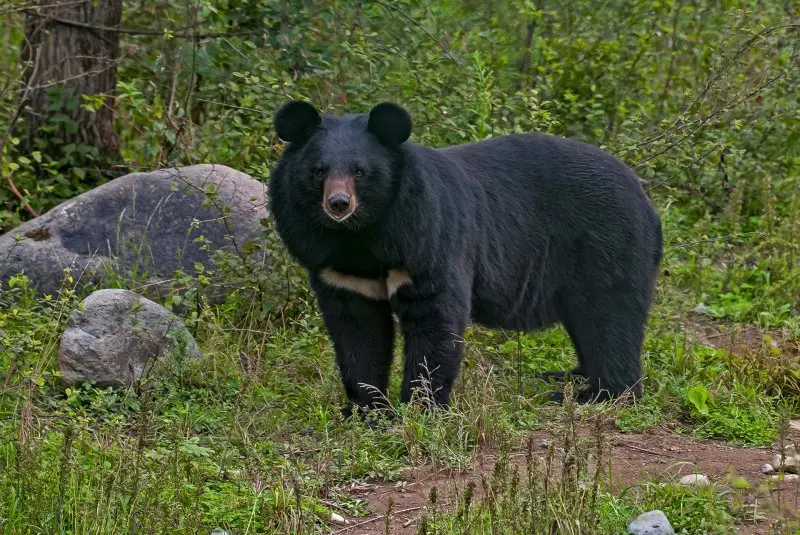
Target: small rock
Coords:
[(785, 477), (219, 532), (119, 337), (767, 469), (790, 462), (338, 519), (695, 480), (777, 461), (651, 523), (794, 424), (702, 308)]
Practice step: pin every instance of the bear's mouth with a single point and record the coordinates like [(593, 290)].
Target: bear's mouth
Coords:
[(339, 200)]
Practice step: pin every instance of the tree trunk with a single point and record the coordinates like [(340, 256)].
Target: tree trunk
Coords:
[(68, 54)]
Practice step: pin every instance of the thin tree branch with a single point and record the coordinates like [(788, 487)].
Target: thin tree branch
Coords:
[(179, 32), (46, 6), (112, 64), (702, 122), (261, 112), (20, 196), (424, 29), (676, 127)]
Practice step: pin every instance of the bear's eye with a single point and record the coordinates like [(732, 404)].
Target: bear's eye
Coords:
[(319, 173), (358, 173)]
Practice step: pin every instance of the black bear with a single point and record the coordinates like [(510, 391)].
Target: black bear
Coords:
[(517, 232)]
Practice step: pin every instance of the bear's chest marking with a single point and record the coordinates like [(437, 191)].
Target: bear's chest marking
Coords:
[(380, 289)]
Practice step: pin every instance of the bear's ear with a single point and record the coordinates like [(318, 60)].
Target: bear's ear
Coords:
[(390, 123), (295, 121)]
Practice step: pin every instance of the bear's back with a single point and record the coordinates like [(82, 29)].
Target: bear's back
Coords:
[(543, 206)]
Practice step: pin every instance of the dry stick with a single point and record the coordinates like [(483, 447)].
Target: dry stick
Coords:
[(112, 64), (20, 196), (375, 519)]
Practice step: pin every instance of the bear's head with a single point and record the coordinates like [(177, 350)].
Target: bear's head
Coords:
[(342, 170)]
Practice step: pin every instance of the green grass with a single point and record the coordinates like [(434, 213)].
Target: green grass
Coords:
[(250, 439)]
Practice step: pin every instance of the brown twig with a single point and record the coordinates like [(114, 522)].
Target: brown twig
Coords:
[(20, 196)]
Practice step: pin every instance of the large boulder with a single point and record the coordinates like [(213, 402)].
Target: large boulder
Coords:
[(116, 338), (143, 225)]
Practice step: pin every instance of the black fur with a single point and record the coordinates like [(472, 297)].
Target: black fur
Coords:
[(517, 232)]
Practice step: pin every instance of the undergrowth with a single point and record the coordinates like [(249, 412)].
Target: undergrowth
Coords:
[(698, 98)]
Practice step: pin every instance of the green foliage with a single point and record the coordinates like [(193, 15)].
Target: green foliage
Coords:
[(742, 415), (698, 98), (698, 396)]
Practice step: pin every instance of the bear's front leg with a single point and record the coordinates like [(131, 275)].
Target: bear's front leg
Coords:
[(362, 331), (433, 329)]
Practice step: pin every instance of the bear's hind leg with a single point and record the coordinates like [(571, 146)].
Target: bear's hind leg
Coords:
[(607, 329), (561, 376)]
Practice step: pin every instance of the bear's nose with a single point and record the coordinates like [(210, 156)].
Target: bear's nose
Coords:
[(339, 203)]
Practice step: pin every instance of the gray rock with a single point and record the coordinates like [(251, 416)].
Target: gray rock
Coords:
[(651, 523), (147, 224), (118, 337), (767, 469)]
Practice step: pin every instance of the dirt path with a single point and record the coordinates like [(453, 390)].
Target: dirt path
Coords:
[(635, 457)]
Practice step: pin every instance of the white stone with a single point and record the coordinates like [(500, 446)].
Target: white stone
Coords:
[(767, 469), (696, 480)]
